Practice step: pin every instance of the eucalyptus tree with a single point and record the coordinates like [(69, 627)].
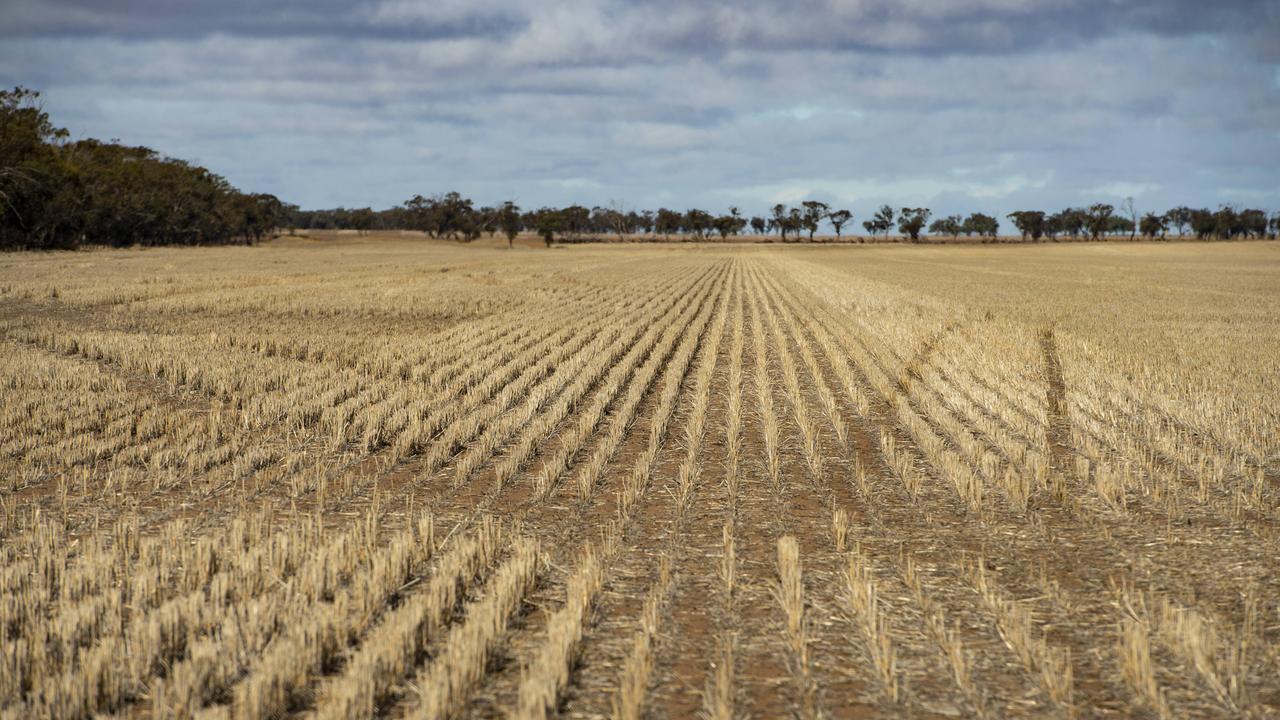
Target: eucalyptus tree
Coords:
[(1029, 222), (911, 222), (881, 222), (812, 216), (838, 219)]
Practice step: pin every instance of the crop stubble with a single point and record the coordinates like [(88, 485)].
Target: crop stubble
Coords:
[(379, 479)]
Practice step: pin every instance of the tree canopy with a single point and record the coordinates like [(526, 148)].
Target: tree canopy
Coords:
[(55, 193)]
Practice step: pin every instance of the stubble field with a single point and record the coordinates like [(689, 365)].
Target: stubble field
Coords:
[(404, 479)]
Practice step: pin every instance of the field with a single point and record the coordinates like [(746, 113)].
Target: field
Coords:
[(379, 477)]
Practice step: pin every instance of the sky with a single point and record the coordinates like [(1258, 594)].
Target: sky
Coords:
[(956, 105)]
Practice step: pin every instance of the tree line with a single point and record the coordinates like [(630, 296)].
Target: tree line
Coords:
[(456, 217), (59, 193)]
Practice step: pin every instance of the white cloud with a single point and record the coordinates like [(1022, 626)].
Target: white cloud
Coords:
[(1122, 189), (660, 102)]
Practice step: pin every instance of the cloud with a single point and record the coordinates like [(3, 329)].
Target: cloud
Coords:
[(988, 105), (170, 19)]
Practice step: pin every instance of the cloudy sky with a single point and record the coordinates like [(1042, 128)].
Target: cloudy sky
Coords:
[(958, 105)]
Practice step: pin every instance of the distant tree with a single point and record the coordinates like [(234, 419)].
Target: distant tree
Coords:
[(454, 216), (1179, 217), (486, 221), (1203, 223), (787, 221), (547, 222), (698, 223), (1029, 222), (667, 222), (911, 221), (510, 222), (1131, 213), (731, 224), (263, 212), (1253, 223), (759, 225), (1120, 225), (575, 221), (795, 222), (1098, 219), (362, 220), (951, 225), (1227, 222), (614, 219), (814, 213), (838, 219), (1073, 221), (1274, 224), (982, 225), (780, 220), (881, 222), (1153, 225)]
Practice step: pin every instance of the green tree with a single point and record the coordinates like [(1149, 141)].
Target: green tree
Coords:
[(881, 222), (730, 224), (1152, 225), (1098, 219), (780, 219), (1120, 225), (667, 222), (363, 219), (510, 222), (698, 223), (911, 221), (838, 219), (1029, 222), (951, 225), (547, 222), (1180, 218), (813, 215), (1253, 222), (981, 225), (1203, 223)]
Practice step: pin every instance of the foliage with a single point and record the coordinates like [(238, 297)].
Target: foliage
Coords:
[(980, 225), (911, 222), (1029, 222), (951, 225), (1098, 219), (60, 194), (881, 222), (1152, 225), (838, 219)]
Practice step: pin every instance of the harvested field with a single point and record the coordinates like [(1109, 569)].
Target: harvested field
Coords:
[(406, 479)]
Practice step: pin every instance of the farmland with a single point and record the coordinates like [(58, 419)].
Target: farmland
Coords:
[(393, 478)]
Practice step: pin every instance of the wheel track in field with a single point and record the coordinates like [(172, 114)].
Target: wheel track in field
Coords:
[(1059, 430), (1086, 588)]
